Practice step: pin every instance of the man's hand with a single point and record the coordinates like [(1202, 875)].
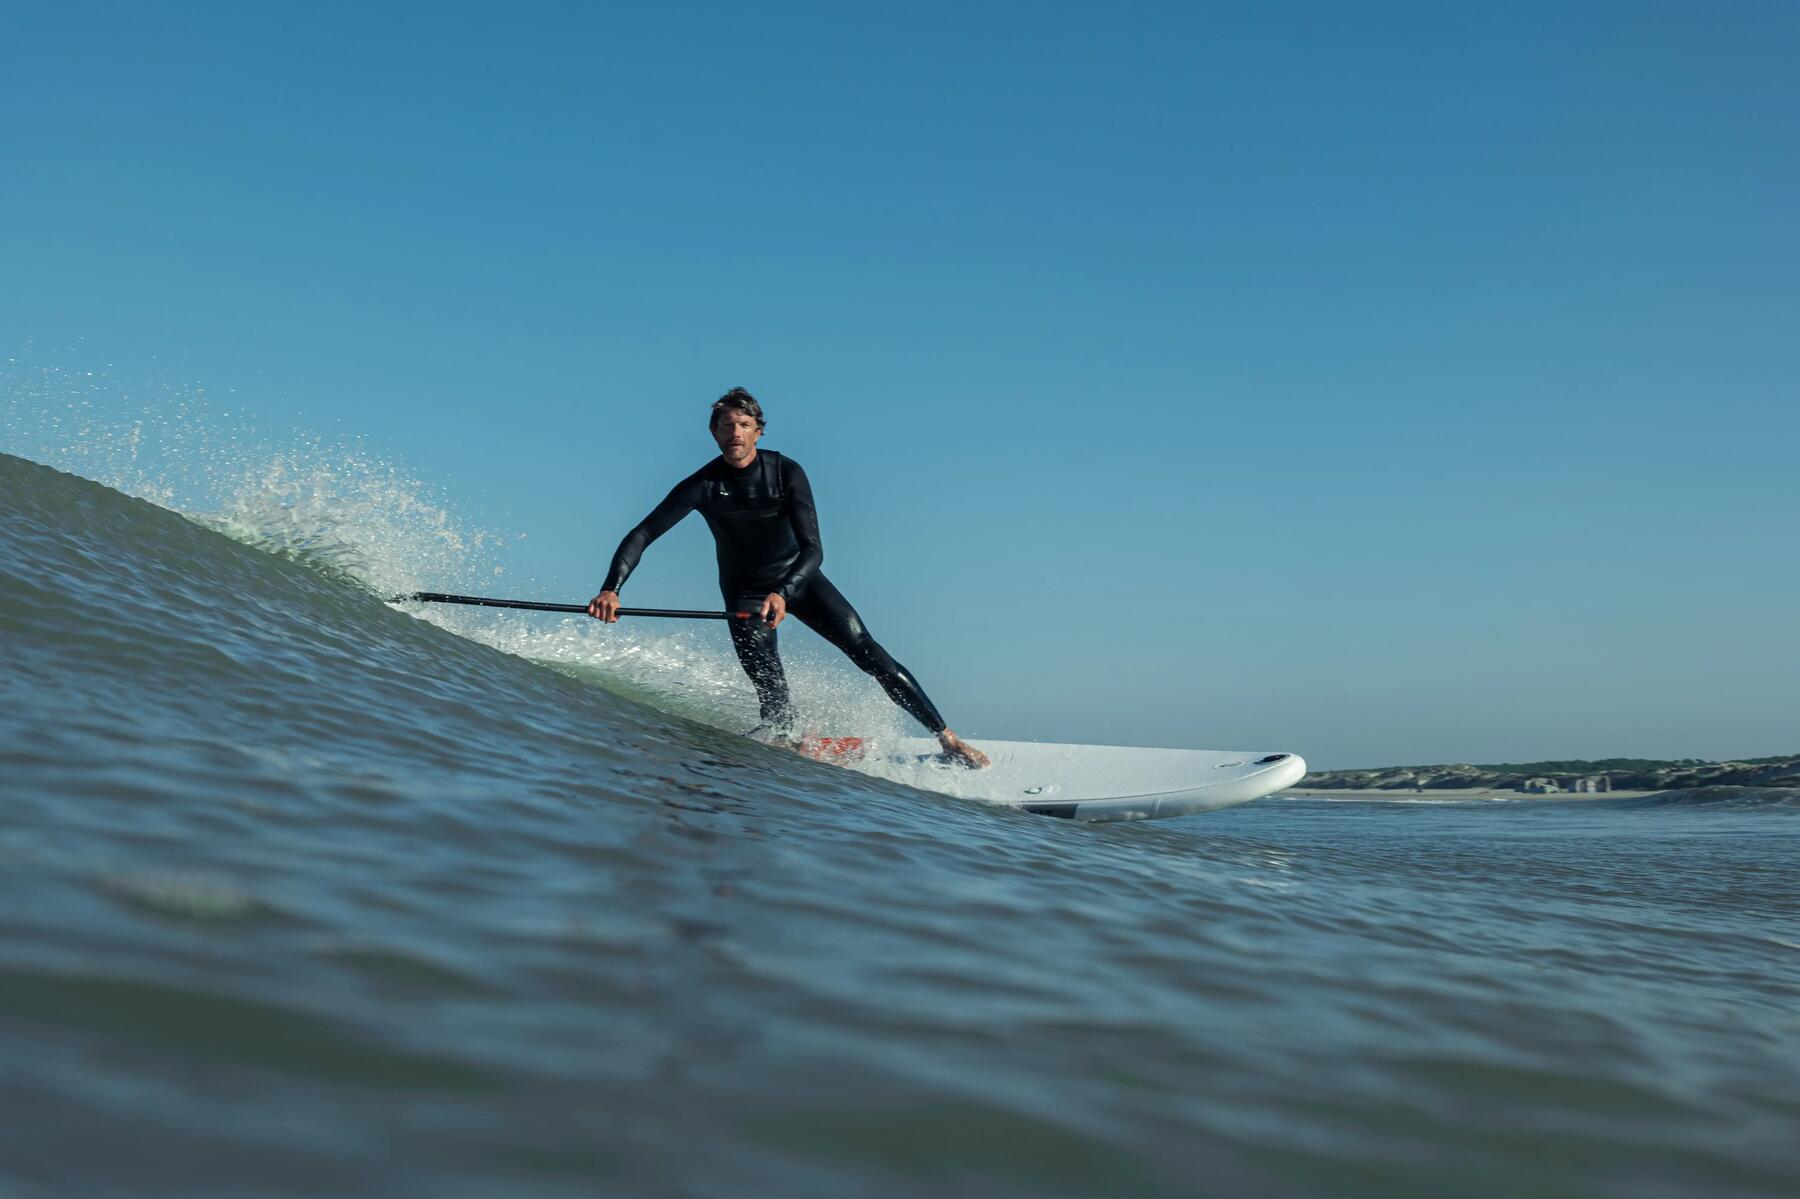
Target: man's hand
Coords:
[(605, 606), (774, 610)]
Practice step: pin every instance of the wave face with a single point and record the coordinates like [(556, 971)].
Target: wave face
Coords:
[(304, 894)]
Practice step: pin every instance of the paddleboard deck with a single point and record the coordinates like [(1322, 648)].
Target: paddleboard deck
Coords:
[(1077, 782)]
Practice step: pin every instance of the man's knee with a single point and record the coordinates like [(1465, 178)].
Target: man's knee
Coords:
[(868, 654)]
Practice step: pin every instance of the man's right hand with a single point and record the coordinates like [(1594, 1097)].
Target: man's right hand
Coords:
[(605, 606)]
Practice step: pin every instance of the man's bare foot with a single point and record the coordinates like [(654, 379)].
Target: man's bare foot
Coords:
[(958, 750)]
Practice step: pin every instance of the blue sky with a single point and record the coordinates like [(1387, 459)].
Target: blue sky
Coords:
[(1403, 382)]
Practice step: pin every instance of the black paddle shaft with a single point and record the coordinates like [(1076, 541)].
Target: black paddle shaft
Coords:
[(482, 601)]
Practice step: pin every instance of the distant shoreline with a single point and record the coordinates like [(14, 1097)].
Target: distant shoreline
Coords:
[(1569, 778)]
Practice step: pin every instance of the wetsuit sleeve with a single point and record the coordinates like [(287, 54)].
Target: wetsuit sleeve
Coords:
[(805, 520), (677, 504)]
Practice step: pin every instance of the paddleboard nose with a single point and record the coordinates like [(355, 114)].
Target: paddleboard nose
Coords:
[(1290, 769)]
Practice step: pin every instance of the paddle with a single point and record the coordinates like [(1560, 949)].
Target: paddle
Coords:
[(435, 597)]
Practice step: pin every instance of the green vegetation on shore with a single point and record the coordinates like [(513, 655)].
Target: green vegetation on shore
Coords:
[(1619, 774)]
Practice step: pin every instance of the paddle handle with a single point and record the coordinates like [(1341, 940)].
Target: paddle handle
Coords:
[(482, 601)]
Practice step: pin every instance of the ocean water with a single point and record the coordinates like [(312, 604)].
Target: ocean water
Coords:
[(305, 893)]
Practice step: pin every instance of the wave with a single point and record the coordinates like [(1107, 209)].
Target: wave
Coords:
[(282, 614), (1717, 798)]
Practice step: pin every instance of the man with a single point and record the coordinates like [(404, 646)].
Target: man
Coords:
[(759, 507)]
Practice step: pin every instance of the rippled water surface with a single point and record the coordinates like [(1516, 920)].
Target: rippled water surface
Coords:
[(302, 893)]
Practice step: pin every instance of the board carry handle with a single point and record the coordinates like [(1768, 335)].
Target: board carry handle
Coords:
[(482, 601)]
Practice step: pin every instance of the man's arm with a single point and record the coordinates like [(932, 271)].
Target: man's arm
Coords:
[(805, 520), (677, 504)]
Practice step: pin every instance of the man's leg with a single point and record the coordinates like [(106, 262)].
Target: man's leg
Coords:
[(824, 610), (760, 655)]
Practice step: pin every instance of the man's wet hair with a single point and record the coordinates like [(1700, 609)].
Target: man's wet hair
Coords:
[(735, 400)]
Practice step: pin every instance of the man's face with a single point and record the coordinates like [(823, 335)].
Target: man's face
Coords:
[(736, 433)]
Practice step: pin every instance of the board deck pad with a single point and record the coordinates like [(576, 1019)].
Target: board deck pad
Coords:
[(1082, 782), (831, 749)]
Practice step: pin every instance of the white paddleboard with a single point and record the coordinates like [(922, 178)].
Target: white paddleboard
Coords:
[(1080, 782)]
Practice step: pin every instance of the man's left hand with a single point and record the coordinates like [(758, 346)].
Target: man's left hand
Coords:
[(774, 610)]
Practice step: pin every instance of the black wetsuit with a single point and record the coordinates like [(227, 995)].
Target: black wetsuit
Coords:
[(767, 533)]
